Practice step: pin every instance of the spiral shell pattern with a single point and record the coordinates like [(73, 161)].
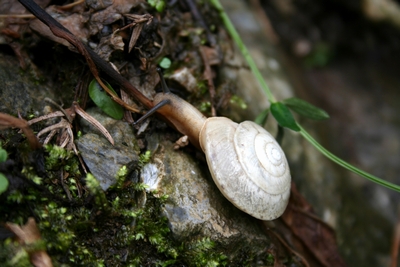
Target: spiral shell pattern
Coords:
[(248, 166)]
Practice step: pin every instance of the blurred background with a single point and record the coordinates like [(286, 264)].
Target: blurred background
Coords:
[(343, 56)]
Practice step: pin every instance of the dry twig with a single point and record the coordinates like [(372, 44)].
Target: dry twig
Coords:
[(8, 121)]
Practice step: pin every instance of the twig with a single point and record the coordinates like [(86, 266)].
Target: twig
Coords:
[(67, 115), (94, 122), (60, 125), (71, 5), (17, 16), (7, 121), (45, 117)]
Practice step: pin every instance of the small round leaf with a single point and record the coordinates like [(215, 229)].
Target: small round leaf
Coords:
[(3, 155), (165, 63), (104, 101), (3, 183)]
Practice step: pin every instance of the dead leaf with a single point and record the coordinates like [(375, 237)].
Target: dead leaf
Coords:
[(110, 14), (138, 21), (109, 44), (29, 234), (211, 55), (318, 237), (73, 22)]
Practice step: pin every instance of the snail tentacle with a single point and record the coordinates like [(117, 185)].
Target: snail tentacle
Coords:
[(152, 110)]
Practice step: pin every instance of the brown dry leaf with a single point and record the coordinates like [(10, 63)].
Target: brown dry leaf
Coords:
[(93, 122), (138, 21), (74, 22), (318, 237), (108, 45), (110, 14), (211, 55), (12, 27), (29, 234), (11, 7)]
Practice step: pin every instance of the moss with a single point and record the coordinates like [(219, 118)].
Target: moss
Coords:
[(239, 102), (3, 179), (93, 185), (16, 255), (144, 158), (205, 106), (202, 253), (270, 259), (120, 177), (97, 228)]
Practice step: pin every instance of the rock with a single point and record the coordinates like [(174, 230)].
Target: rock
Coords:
[(20, 91), (102, 158), (195, 207)]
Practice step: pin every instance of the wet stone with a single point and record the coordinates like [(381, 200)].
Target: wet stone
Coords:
[(195, 208), (102, 158)]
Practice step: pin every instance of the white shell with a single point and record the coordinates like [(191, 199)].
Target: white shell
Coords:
[(248, 166)]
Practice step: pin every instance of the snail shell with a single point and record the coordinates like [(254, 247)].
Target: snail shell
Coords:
[(248, 166), (246, 163)]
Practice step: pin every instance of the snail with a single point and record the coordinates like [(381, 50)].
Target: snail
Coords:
[(246, 163)]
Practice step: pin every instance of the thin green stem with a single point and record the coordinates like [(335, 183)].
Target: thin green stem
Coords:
[(344, 164), (234, 34)]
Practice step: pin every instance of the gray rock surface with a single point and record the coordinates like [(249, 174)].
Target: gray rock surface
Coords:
[(102, 158), (195, 207), (20, 90)]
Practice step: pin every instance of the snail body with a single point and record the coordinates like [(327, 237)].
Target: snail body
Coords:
[(246, 163)]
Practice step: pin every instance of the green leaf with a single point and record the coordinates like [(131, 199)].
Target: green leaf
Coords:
[(305, 109), (159, 5), (165, 63), (3, 155), (283, 116), (104, 101), (3, 183), (262, 117)]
